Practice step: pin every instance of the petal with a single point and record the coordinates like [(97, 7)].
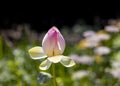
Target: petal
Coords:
[(67, 62), (61, 43), (53, 43), (44, 78), (48, 43), (55, 59), (36, 53), (45, 65)]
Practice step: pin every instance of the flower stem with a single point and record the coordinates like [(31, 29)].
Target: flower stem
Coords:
[(53, 73)]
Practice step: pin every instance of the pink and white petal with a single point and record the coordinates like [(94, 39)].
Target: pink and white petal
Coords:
[(36, 53), (55, 59), (48, 44), (45, 65), (53, 43), (61, 42), (67, 61)]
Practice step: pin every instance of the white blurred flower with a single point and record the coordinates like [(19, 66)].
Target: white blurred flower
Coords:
[(112, 28), (89, 33), (102, 50), (116, 64), (74, 57), (103, 36), (93, 38), (82, 59), (92, 41), (115, 72), (80, 74), (18, 52)]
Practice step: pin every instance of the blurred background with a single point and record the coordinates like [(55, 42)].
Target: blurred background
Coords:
[(92, 35)]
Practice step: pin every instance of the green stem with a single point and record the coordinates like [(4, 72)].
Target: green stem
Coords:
[(53, 73)]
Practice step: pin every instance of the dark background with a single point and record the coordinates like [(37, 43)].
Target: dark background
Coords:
[(43, 18)]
